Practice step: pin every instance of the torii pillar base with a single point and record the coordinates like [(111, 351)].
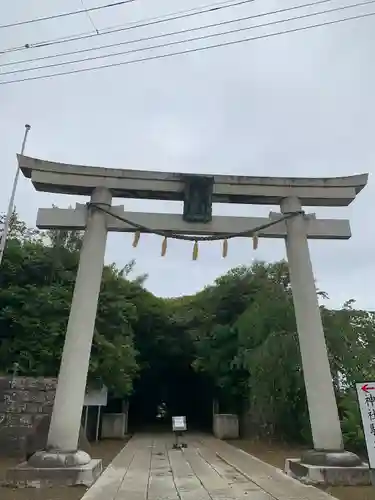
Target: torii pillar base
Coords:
[(53, 468), (330, 468)]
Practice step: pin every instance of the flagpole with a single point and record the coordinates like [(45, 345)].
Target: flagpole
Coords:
[(11, 201)]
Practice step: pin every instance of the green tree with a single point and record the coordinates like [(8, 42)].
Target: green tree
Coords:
[(35, 296)]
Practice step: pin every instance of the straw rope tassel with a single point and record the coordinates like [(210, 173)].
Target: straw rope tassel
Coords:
[(137, 235), (195, 250), (164, 247), (225, 248), (255, 241)]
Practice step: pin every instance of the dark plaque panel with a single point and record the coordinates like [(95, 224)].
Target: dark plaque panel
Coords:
[(24, 401)]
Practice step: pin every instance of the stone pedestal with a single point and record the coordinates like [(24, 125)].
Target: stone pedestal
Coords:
[(358, 475), (25, 475), (114, 425), (226, 426), (329, 468), (54, 468)]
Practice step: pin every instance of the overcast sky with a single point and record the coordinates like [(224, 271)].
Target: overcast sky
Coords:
[(295, 105)]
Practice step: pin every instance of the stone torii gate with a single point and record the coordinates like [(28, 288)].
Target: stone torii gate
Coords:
[(99, 217)]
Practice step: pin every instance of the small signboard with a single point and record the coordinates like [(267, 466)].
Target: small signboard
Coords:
[(178, 424), (96, 397), (366, 398)]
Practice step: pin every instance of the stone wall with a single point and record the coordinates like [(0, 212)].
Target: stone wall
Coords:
[(24, 401)]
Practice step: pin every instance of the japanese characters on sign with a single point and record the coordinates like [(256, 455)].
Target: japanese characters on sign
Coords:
[(179, 424), (366, 398)]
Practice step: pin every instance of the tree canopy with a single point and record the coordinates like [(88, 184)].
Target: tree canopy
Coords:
[(240, 332)]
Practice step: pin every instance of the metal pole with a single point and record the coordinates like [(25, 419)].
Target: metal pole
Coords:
[(11, 201), (86, 419), (98, 424)]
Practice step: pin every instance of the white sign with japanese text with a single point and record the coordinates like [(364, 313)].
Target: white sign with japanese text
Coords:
[(178, 424), (366, 398)]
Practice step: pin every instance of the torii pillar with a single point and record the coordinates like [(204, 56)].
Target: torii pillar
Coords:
[(328, 452), (62, 443), (324, 417), (67, 410)]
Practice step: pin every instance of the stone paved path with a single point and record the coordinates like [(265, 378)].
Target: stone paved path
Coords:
[(148, 468)]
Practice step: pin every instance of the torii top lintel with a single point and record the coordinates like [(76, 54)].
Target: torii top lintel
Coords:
[(81, 180)]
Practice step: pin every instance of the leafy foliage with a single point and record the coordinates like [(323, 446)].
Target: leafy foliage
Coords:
[(37, 279)]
